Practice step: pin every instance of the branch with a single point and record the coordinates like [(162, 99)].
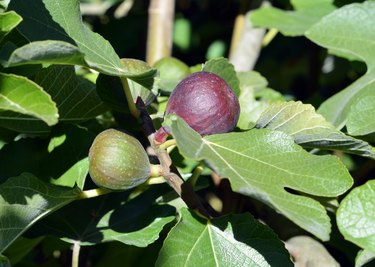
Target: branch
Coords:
[(246, 43), (160, 30), (169, 171)]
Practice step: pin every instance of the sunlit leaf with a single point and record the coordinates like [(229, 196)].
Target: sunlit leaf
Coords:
[(232, 240), (310, 129), (8, 21), (360, 117), (21, 95), (356, 216)]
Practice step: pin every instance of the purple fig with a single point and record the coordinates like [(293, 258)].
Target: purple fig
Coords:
[(206, 102)]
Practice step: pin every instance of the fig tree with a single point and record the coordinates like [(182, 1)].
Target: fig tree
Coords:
[(117, 161), (206, 102)]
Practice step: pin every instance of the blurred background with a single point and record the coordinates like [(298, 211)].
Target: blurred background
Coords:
[(203, 30)]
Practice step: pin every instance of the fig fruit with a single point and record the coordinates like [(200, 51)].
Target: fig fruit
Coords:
[(117, 161), (206, 102)]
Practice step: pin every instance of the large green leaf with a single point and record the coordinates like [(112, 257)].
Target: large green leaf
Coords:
[(356, 216), (21, 95), (292, 23), (224, 69), (347, 31), (24, 200), (8, 21), (61, 20), (50, 51), (107, 218), (310, 129), (232, 240), (261, 163)]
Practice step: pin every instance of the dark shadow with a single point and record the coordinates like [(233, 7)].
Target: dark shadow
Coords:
[(37, 22), (85, 220)]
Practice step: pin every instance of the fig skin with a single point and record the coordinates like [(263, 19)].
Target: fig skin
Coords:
[(205, 102), (117, 161)]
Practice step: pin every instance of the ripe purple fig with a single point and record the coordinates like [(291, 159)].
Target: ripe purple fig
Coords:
[(206, 102), (117, 161)]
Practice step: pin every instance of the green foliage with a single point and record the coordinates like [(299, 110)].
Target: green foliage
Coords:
[(258, 159), (8, 21), (310, 129), (195, 241), (293, 23), (61, 84), (346, 32), (224, 69), (356, 216), (20, 95), (24, 200)]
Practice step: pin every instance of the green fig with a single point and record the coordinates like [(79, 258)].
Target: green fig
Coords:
[(117, 161)]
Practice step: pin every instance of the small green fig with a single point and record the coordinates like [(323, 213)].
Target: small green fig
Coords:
[(117, 161)]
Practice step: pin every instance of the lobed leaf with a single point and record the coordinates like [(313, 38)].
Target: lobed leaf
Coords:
[(232, 240), (292, 23), (356, 216), (347, 32), (21, 95), (309, 129), (24, 200), (261, 163)]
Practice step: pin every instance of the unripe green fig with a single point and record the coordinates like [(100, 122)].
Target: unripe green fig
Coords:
[(206, 102), (117, 161)]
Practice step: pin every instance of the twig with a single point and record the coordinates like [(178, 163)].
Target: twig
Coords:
[(160, 30)]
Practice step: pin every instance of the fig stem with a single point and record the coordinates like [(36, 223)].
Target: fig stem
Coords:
[(94, 192), (167, 144), (155, 180), (75, 254), (129, 98), (197, 172), (156, 170)]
